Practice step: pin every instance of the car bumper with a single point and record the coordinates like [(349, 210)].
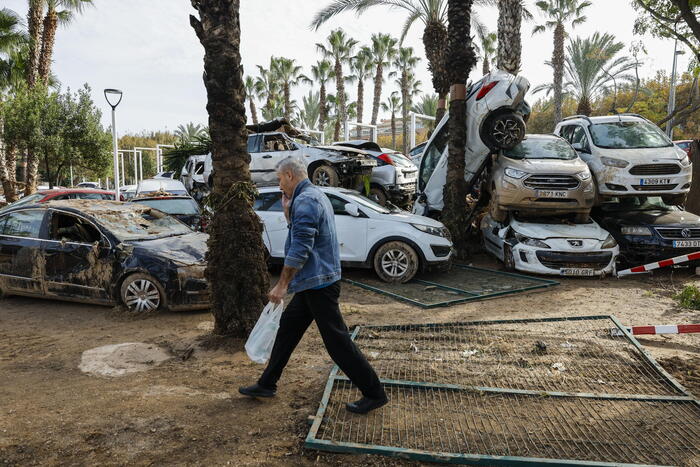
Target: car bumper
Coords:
[(559, 263), (638, 250), (513, 195), (619, 182), (403, 192), (191, 292)]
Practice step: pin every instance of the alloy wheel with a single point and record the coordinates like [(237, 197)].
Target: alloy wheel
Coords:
[(506, 132), (142, 295), (322, 179), (395, 263)]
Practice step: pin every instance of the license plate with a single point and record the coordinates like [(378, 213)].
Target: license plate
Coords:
[(578, 272), (551, 194), (686, 244), (409, 176), (655, 181)]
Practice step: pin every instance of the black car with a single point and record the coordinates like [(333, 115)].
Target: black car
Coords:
[(102, 252), (648, 230), (184, 208)]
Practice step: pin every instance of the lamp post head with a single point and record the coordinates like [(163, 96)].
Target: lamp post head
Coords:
[(113, 97)]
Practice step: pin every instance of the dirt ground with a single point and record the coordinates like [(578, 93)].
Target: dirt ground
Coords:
[(187, 411)]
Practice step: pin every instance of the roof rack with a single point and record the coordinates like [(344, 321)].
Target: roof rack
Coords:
[(585, 117), (629, 114)]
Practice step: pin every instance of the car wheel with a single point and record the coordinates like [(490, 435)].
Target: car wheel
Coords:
[(675, 200), (495, 211), (508, 258), (325, 175), (503, 131), (142, 293), (396, 262), (378, 195)]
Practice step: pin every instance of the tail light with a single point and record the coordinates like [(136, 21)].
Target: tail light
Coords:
[(485, 90), (203, 224), (386, 158)]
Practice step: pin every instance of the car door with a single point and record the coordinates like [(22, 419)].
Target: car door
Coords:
[(351, 231), (268, 206), (78, 258), (21, 262), (579, 137), (273, 149)]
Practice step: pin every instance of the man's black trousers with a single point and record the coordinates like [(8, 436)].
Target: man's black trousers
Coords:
[(320, 305)]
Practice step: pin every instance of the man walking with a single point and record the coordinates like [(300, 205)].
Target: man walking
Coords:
[(312, 271)]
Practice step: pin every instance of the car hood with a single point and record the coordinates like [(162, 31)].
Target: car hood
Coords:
[(408, 218), (655, 217), (645, 155), (547, 166), (185, 250), (543, 231)]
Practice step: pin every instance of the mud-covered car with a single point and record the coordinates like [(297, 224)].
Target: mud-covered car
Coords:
[(183, 208), (43, 196), (102, 252)]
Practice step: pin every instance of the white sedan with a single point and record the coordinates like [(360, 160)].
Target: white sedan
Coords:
[(395, 243), (551, 246)]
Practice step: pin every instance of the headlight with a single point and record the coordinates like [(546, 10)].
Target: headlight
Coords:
[(514, 173), (585, 175), (530, 241), (685, 162), (609, 242), (430, 230), (610, 162), (635, 230)]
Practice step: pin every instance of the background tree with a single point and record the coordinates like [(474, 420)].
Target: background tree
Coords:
[(488, 49), (392, 105), (510, 14), (189, 131), (235, 261), (35, 14), (559, 13), (361, 66), (677, 19), (149, 139), (321, 73), (267, 87), (427, 105), (250, 93), (308, 115), (339, 48), (288, 74), (383, 51), (405, 63)]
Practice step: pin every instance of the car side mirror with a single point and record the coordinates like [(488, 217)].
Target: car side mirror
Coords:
[(352, 209), (579, 147)]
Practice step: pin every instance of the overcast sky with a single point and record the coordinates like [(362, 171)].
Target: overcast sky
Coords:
[(148, 49)]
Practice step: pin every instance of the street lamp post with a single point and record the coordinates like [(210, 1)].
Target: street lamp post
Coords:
[(116, 98), (672, 91)]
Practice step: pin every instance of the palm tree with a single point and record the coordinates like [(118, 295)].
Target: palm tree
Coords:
[(591, 69), (559, 13), (392, 105), (274, 108), (236, 268), (510, 13), (339, 48), (383, 50), (34, 17), (267, 87), (287, 73), (62, 11), (361, 67), (427, 105), (308, 116), (404, 63), (249, 84), (190, 132), (321, 73), (489, 47), (460, 59)]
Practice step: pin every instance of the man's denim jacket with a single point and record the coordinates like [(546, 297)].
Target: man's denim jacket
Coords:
[(312, 245)]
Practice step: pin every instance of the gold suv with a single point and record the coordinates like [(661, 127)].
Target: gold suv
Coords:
[(544, 175)]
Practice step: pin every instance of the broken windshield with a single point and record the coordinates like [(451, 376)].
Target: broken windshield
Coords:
[(141, 223)]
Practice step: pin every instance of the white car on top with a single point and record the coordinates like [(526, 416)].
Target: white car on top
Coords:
[(552, 245), (395, 243)]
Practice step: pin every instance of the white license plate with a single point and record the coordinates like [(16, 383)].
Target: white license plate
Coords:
[(411, 176), (686, 244), (578, 272), (551, 194), (655, 181)]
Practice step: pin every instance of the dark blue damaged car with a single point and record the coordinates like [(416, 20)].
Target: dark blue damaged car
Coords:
[(102, 252)]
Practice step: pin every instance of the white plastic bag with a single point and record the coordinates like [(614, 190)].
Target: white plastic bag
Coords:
[(262, 337)]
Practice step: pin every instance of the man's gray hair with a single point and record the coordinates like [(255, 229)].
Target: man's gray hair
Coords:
[(294, 165)]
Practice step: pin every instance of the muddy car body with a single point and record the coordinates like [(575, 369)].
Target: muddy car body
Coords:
[(102, 252), (183, 208), (43, 196)]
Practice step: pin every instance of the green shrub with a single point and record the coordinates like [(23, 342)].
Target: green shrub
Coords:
[(689, 297)]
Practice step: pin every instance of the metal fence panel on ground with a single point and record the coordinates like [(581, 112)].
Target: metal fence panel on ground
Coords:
[(554, 391)]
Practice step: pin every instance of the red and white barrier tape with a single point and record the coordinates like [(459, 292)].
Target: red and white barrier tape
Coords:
[(659, 264), (663, 329)]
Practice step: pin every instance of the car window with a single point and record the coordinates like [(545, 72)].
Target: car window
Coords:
[(565, 132), (65, 227), (22, 223), (90, 196), (578, 135), (33, 198), (338, 205), (60, 197), (542, 148), (432, 154), (172, 205), (253, 143), (199, 168), (628, 135), (273, 143), (271, 201), (367, 203)]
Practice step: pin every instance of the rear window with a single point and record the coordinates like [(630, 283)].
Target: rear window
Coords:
[(542, 148), (172, 206), (33, 198)]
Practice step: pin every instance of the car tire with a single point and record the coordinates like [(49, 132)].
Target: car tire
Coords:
[(495, 211), (503, 130), (378, 195), (325, 175), (396, 262), (675, 200), (508, 258), (142, 293)]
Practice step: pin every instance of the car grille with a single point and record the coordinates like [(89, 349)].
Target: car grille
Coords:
[(563, 259), (551, 182), (677, 233), (654, 187), (655, 169)]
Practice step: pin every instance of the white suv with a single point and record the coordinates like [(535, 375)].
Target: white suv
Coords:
[(395, 243), (629, 156)]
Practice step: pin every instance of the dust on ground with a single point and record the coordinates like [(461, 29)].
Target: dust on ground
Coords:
[(187, 411)]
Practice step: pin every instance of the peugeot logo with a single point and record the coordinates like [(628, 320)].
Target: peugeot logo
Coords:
[(686, 233), (577, 243)]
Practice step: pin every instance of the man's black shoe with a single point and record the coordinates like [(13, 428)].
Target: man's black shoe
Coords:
[(256, 391), (366, 404)]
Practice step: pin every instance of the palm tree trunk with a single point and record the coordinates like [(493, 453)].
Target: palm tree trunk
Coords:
[(378, 79), (8, 187), (435, 43), (510, 14), (48, 40), (460, 59), (405, 106), (558, 65), (584, 106), (393, 129), (32, 171), (322, 110), (287, 103), (236, 268), (47, 167), (340, 95), (253, 110), (34, 17), (485, 68), (360, 105)]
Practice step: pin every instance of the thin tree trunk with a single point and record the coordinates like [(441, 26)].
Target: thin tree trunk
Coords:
[(393, 129), (405, 105), (558, 65), (435, 44), (34, 18), (460, 59), (510, 14), (253, 110), (378, 79), (485, 67), (236, 268), (441, 108), (340, 95), (48, 40), (322, 111), (8, 187), (47, 167), (360, 105), (31, 172), (287, 103)]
